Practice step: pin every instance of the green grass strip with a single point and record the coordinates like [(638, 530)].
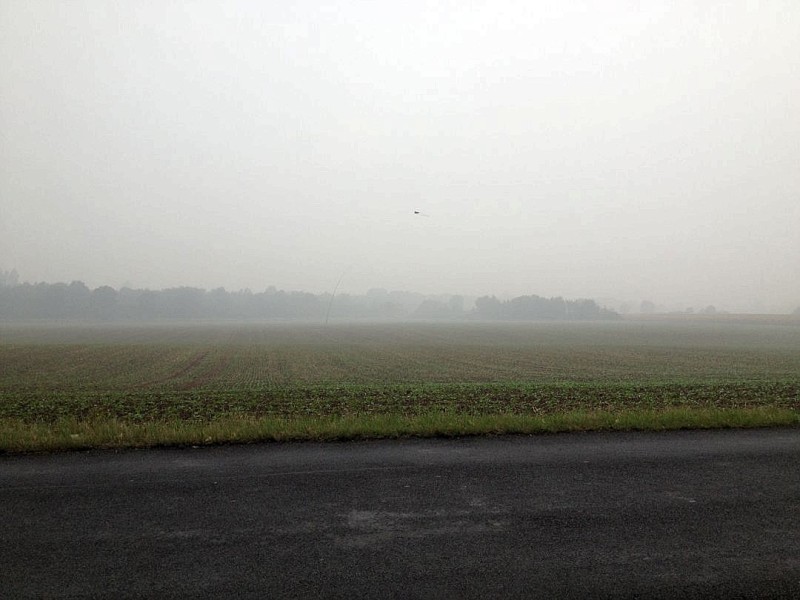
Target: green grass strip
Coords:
[(71, 434)]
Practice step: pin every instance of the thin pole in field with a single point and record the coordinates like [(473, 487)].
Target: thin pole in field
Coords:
[(333, 295)]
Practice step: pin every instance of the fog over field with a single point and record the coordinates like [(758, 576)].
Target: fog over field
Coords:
[(613, 150)]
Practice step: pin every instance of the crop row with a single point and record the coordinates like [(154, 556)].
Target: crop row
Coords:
[(155, 367), (472, 399)]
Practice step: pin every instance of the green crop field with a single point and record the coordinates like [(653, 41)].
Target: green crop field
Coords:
[(62, 377)]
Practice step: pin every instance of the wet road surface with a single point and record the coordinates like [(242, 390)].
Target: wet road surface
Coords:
[(680, 514)]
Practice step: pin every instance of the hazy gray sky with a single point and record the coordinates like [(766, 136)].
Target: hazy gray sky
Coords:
[(605, 149)]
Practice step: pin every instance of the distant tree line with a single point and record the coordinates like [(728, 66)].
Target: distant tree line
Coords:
[(527, 308), (76, 301)]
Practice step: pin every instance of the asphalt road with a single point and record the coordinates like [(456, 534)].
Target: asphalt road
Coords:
[(682, 514)]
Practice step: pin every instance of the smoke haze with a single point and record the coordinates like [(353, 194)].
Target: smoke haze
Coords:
[(626, 150)]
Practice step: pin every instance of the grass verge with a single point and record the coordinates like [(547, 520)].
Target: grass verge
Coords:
[(73, 434)]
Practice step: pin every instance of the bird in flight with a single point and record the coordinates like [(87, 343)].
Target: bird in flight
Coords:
[(420, 213)]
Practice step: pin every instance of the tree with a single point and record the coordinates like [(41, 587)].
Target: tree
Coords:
[(180, 303), (584, 309), (103, 302), (77, 300)]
